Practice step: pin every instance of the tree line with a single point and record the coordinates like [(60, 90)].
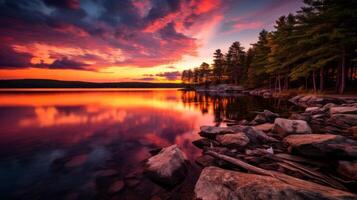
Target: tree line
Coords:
[(316, 48)]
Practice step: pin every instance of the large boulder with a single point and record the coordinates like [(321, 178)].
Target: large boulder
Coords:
[(234, 140), (213, 131), (218, 184), (322, 145), (168, 167), (343, 110), (285, 127)]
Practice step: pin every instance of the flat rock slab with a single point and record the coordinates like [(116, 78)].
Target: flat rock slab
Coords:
[(219, 184), (264, 127), (233, 140), (343, 110), (285, 127), (212, 131), (168, 167), (322, 145)]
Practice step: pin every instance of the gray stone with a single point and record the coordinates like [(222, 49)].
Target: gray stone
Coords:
[(285, 127), (168, 167), (233, 140)]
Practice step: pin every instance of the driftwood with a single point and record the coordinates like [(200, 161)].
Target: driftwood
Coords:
[(282, 177), (299, 159), (285, 161)]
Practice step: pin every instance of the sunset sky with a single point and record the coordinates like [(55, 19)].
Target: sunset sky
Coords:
[(125, 40)]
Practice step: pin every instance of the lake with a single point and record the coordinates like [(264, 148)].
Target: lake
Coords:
[(74, 144)]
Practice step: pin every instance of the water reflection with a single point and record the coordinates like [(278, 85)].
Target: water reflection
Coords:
[(57, 145), (235, 107)]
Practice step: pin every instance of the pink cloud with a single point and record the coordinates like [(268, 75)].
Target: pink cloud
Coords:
[(247, 26)]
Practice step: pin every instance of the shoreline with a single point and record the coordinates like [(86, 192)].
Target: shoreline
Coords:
[(316, 148)]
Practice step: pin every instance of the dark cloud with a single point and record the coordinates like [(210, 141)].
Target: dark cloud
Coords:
[(170, 75), (170, 67), (144, 79), (10, 59), (65, 63), (68, 4)]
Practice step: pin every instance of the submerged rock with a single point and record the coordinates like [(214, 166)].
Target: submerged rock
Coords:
[(322, 145), (233, 140), (218, 184), (285, 127), (168, 167)]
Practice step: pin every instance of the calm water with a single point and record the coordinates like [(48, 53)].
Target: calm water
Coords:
[(60, 144)]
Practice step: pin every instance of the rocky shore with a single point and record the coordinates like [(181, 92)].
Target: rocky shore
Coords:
[(310, 155)]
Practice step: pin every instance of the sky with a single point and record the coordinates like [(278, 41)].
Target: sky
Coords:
[(125, 40)]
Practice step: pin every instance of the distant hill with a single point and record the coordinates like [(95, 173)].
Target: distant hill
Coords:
[(47, 83)]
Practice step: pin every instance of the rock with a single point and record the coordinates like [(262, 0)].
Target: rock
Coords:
[(255, 136), (205, 160), (310, 109), (353, 132), (117, 186), (265, 116), (295, 99), (322, 145), (306, 98), (329, 105), (285, 127), (343, 110), (243, 122), (212, 131), (343, 120), (296, 116), (234, 140), (204, 142), (168, 167), (259, 119), (264, 127), (348, 169), (270, 116), (219, 184)]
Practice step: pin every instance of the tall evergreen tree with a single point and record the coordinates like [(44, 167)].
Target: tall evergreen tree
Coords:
[(218, 65)]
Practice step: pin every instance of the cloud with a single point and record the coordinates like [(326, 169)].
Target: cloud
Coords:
[(170, 67), (98, 34), (65, 63), (170, 76)]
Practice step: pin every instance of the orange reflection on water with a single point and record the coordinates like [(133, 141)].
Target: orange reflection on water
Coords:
[(155, 118)]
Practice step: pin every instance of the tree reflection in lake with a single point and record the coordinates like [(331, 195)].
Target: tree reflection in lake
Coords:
[(235, 107)]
